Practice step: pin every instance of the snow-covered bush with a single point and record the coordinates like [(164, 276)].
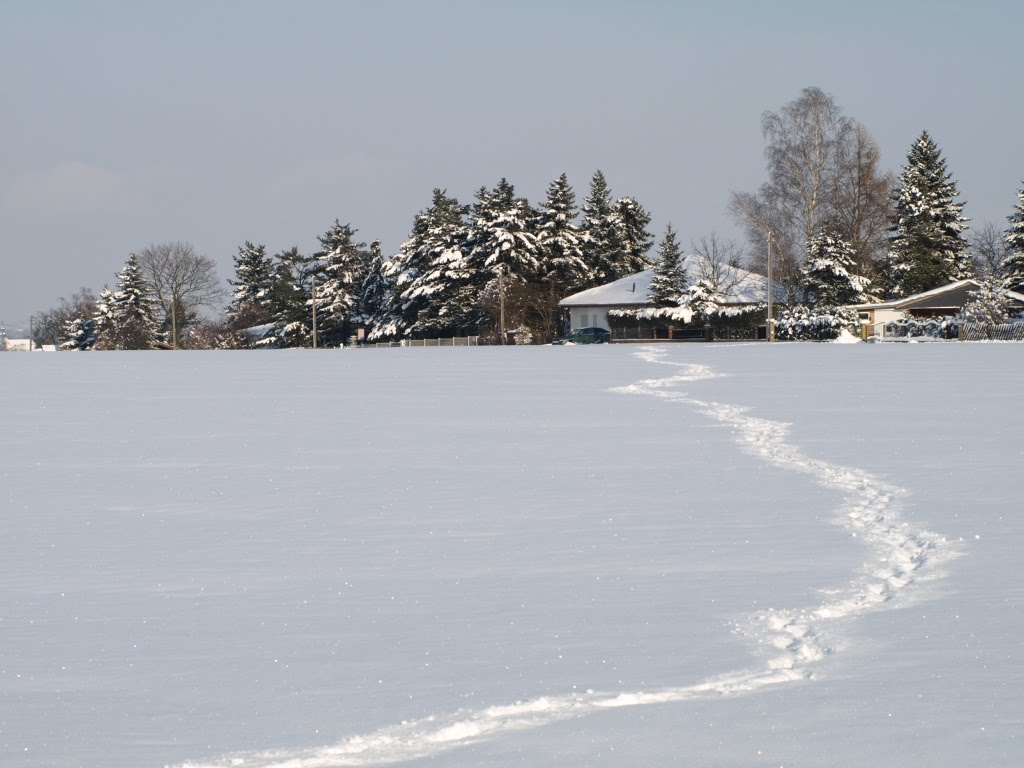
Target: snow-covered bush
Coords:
[(923, 328), (988, 315), (822, 323), (216, 335), (988, 305), (523, 335)]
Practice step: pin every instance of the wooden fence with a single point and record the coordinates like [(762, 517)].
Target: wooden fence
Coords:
[(987, 332)]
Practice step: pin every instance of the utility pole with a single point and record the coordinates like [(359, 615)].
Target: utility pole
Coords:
[(768, 329), (501, 300), (174, 325), (31, 330), (312, 293)]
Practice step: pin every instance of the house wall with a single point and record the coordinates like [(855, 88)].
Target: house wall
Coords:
[(875, 320), (884, 315), (588, 317)]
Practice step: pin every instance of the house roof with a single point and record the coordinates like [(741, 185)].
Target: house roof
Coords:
[(951, 296), (738, 286), (629, 291)]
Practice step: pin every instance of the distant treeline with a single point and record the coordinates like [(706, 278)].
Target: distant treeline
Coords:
[(837, 229)]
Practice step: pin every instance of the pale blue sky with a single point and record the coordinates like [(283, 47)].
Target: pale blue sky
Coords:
[(126, 123)]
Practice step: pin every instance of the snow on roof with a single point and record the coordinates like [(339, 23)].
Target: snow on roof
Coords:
[(738, 286), (924, 295), (631, 290), (257, 331)]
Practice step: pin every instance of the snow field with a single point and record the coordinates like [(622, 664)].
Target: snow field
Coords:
[(493, 566), (900, 555)]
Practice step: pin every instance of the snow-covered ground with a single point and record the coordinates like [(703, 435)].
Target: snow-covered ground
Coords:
[(690, 555)]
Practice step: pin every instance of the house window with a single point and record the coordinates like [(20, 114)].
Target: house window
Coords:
[(584, 321)]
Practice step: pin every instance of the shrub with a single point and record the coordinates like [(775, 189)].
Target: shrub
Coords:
[(823, 323), (923, 328)]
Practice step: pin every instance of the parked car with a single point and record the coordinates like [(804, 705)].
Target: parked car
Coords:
[(585, 336)]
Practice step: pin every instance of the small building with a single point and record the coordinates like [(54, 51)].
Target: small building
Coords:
[(624, 306), (589, 308), (944, 301)]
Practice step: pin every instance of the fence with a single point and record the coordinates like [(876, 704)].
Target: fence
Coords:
[(456, 341), (656, 333), (937, 330), (987, 332)]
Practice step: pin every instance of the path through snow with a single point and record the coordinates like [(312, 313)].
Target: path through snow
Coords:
[(900, 557)]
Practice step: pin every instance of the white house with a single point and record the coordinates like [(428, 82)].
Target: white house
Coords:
[(589, 308), (738, 291)]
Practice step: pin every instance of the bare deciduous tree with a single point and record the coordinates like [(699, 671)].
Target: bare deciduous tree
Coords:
[(764, 223), (803, 141), (988, 249), (183, 282), (822, 170), (861, 198), (716, 263)]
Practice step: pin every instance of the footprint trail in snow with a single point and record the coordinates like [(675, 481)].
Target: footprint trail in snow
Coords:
[(900, 557)]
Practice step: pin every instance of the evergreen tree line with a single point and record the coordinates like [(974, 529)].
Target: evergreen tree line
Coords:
[(496, 268), (838, 230)]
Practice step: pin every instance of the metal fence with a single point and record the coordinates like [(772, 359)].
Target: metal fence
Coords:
[(456, 341)]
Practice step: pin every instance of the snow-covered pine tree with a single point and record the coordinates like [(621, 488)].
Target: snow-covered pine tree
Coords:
[(250, 300), (446, 290), (375, 289), (828, 277), (668, 286), (1012, 267), (927, 247), (602, 233), (504, 247), (636, 241), (433, 293), (702, 298), (101, 320), (399, 312), (559, 242), (290, 301), (338, 268), (129, 320), (560, 251), (79, 334)]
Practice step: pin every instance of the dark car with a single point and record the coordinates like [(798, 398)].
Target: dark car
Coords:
[(585, 336)]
